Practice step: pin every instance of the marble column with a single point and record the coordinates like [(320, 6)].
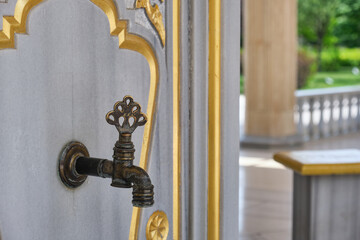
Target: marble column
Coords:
[(270, 45)]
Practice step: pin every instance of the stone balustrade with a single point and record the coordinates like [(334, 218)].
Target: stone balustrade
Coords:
[(327, 112)]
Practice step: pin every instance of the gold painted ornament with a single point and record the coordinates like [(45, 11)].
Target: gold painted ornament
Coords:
[(157, 227)]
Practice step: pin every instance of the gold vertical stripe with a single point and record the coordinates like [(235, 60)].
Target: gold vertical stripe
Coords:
[(214, 137), (176, 121)]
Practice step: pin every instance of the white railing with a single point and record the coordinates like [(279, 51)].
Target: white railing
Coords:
[(327, 112)]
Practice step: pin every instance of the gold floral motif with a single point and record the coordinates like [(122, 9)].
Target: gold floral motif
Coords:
[(157, 227), (155, 17)]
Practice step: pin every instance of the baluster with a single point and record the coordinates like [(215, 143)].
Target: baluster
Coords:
[(344, 115), (341, 120), (358, 111), (316, 118), (348, 120), (321, 121), (300, 118), (339, 113), (311, 121), (355, 110), (331, 119), (296, 115), (352, 127)]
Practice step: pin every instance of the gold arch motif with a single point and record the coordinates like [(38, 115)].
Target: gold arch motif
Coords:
[(17, 23)]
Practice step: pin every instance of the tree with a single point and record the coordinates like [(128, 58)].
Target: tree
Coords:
[(315, 18), (347, 29)]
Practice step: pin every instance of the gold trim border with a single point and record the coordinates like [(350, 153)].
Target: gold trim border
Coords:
[(176, 122), (17, 23), (316, 169), (214, 137)]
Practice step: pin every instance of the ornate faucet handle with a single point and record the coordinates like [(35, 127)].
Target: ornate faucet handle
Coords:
[(126, 116)]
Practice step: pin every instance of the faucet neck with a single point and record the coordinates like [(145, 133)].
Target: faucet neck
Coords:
[(124, 150)]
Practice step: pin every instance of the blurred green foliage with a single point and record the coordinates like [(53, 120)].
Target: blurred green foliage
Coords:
[(326, 25), (305, 67), (337, 64), (329, 43), (335, 58), (347, 27), (343, 77), (316, 20)]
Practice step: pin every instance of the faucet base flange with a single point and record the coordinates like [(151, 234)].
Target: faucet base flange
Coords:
[(67, 164)]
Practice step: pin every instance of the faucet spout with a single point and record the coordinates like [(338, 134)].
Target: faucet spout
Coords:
[(123, 176), (143, 190), (127, 175)]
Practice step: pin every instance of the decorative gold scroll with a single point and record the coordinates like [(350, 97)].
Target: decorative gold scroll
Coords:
[(17, 23), (140, 45), (155, 17)]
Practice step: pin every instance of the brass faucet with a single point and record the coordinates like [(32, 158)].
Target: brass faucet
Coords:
[(75, 164)]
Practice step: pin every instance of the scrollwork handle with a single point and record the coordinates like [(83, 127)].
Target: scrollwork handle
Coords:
[(126, 116)]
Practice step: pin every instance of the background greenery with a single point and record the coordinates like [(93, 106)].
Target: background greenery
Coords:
[(329, 43), (340, 67), (329, 40)]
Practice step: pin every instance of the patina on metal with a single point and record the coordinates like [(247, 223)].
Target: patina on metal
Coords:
[(75, 164)]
